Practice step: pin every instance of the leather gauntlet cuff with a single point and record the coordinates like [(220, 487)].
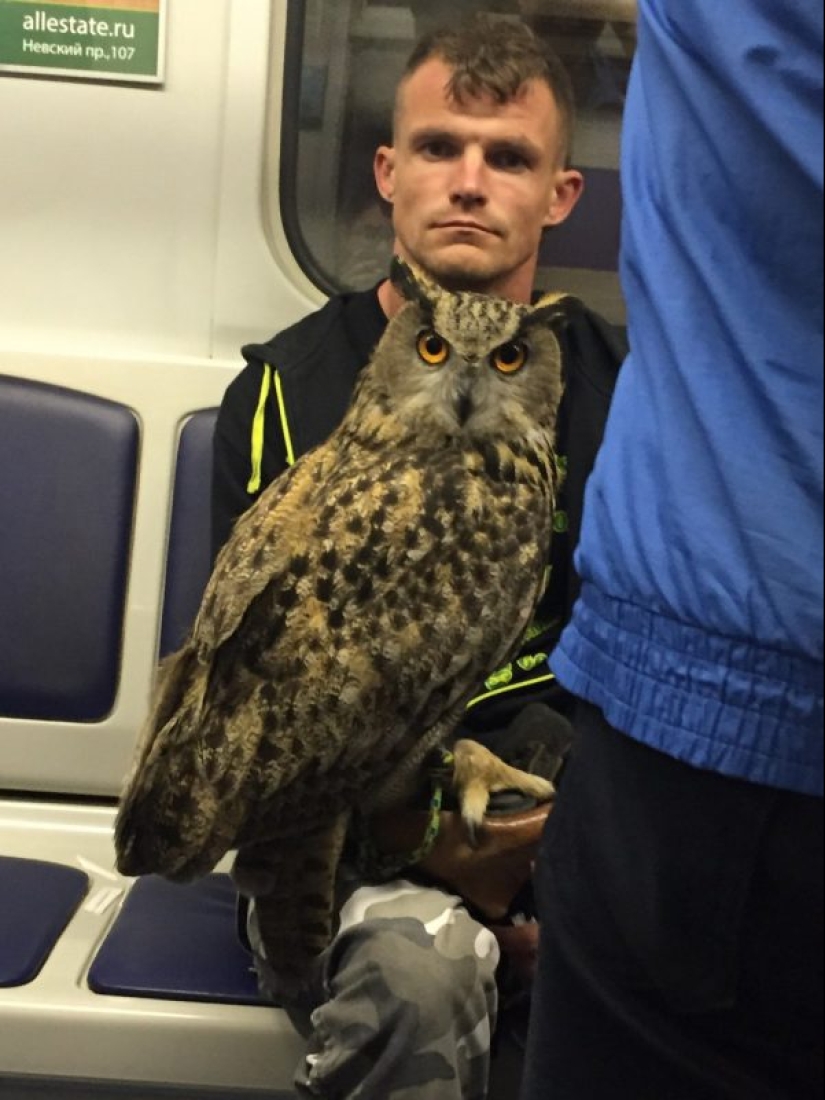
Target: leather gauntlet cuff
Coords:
[(488, 877), (434, 842)]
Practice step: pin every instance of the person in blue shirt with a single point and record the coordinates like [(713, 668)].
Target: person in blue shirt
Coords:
[(680, 879)]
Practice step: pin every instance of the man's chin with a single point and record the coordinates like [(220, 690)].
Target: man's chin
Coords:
[(464, 269)]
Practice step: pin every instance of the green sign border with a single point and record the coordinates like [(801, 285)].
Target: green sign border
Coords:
[(83, 41)]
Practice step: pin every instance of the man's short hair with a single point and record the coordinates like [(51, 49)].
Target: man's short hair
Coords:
[(497, 56)]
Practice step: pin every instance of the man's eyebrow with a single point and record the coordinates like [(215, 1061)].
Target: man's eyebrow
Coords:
[(523, 146), (426, 134)]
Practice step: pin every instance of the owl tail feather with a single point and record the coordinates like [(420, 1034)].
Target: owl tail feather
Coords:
[(293, 886), (166, 822)]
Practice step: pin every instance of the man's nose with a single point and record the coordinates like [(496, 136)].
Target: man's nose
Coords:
[(468, 184)]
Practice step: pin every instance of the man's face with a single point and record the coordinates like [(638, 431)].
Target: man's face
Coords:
[(474, 184)]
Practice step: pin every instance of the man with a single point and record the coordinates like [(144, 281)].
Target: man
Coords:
[(680, 881), (478, 170)]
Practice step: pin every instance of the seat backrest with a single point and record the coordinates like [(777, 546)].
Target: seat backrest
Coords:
[(68, 464), (105, 470), (188, 560)]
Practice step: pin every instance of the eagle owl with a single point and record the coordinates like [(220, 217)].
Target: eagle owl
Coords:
[(355, 610)]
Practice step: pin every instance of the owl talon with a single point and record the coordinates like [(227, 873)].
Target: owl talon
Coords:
[(477, 773), (472, 830)]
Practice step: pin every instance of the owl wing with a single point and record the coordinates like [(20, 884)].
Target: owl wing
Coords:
[(263, 538), (178, 812)]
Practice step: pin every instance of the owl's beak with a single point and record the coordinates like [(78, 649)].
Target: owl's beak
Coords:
[(464, 405), (466, 388)]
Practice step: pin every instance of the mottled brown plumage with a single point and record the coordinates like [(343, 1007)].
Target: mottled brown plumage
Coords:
[(355, 610)]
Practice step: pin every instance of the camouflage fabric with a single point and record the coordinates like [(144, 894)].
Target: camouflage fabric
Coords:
[(405, 1001)]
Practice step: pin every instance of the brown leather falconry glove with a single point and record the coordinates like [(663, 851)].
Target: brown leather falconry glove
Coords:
[(490, 875)]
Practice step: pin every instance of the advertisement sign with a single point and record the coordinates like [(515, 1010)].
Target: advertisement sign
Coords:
[(88, 39)]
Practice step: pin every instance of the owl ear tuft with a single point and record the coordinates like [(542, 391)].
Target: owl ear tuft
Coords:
[(553, 310), (413, 284)]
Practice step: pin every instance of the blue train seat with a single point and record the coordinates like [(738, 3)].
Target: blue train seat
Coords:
[(188, 560), (39, 900), (104, 554), (176, 943), (68, 465), (179, 942)]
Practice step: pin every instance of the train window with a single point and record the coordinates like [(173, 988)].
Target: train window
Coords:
[(344, 59)]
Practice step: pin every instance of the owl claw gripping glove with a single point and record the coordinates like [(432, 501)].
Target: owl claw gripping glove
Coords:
[(490, 874)]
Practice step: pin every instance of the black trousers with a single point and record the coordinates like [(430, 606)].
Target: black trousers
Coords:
[(682, 933)]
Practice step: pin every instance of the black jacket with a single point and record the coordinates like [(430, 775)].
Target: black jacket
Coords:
[(313, 366)]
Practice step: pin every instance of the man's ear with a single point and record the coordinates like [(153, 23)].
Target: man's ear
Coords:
[(568, 186), (384, 169)]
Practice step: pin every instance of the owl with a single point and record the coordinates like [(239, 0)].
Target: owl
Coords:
[(357, 607)]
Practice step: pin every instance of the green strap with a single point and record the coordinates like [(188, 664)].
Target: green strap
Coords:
[(518, 685), (257, 441), (258, 428), (378, 866), (279, 392)]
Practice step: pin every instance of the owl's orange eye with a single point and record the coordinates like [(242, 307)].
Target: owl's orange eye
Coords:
[(433, 349), (510, 358)]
